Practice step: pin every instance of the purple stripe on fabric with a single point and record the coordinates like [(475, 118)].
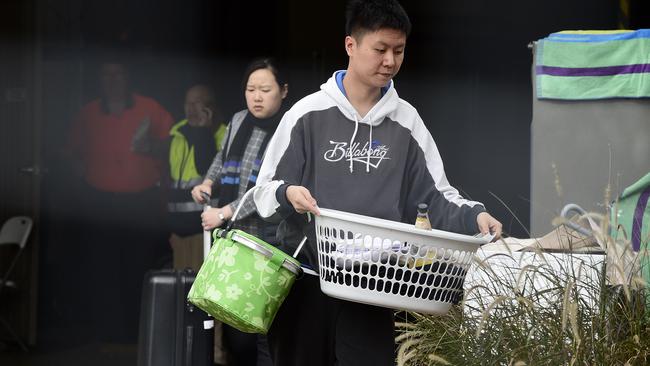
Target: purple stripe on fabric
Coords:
[(637, 221), (592, 71)]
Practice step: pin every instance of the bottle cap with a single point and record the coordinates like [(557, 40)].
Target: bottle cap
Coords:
[(423, 207)]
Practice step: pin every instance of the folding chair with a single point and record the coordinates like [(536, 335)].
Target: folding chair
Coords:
[(15, 231)]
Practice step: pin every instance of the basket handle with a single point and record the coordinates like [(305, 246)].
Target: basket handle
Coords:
[(234, 218), (239, 206), (297, 251), (295, 254)]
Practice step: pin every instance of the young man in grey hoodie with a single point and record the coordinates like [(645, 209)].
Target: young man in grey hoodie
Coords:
[(354, 146)]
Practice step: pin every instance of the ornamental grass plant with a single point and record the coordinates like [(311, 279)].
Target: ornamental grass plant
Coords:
[(540, 308)]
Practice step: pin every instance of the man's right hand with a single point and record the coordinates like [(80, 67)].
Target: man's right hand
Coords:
[(301, 200), (197, 195)]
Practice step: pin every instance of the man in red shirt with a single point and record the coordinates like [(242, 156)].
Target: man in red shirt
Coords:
[(117, 144), (115, 137)]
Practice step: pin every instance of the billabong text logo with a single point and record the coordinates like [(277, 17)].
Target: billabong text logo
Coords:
[(340, 151)]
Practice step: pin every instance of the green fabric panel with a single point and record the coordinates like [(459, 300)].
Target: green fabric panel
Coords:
[(596, 54), (622, 220), (622, 216), (637, 187), (276, 252), (593, 87)]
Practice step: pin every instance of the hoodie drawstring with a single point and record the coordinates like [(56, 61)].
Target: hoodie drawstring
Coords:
[(354, 134), (369, 149)]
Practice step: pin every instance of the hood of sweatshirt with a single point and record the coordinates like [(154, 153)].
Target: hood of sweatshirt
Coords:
[(386, 105)]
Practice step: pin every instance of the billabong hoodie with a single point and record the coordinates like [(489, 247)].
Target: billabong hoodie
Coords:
[(381, 165)]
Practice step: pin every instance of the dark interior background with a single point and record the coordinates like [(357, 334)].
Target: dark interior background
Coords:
[(467, 71), (466, 68)]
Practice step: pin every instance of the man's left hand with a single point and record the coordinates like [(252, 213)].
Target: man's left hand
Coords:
[(489, 225)]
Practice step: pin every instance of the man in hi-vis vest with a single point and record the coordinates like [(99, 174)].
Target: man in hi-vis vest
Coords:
[(194, 143)]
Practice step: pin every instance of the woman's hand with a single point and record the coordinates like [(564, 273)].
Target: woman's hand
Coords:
[(215, 217), (301, 200), (197, 192), (212, 218)]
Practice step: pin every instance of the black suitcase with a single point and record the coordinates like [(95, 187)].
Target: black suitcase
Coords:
[(171, 329)]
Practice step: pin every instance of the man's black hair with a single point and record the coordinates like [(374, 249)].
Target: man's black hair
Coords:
[(362, 16)]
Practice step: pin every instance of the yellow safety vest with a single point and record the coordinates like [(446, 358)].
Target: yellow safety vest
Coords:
[(182, 166), (181, 154)]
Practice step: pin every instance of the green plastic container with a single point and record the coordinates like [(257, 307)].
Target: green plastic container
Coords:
[(630, 220), (243, 281)]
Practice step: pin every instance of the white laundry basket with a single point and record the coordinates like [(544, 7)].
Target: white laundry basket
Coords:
[(391, 264)]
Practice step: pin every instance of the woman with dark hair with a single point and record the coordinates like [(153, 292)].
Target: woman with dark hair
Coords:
[(235, 171)]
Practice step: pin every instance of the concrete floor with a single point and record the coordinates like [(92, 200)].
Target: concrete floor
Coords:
[(95, 354)]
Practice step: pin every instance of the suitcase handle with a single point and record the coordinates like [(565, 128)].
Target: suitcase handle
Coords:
[(206, 233)]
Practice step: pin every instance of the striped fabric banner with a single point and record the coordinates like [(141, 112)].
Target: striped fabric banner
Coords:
[(583, 65)]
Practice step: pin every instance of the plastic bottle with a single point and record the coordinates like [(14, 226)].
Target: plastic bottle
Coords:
[(422, 220)]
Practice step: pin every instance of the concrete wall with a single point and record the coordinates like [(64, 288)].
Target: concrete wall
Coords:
[(591, 144)]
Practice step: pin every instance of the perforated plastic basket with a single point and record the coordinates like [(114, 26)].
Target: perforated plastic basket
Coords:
[(391, 264)]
